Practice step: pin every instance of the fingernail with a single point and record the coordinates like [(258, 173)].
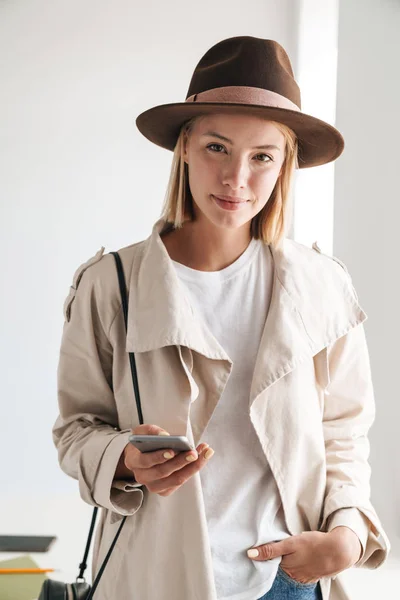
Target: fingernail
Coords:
[(209, 453), (191, 458), (163, 433), (253, 553), (168, 455)]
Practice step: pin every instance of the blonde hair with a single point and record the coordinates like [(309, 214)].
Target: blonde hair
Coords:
[(270, 224)]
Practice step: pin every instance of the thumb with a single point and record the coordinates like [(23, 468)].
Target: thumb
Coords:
[(147, 429), (268, 551)]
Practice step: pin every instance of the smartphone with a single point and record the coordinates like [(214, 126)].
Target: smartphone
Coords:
[(26, 543), (151, 443)]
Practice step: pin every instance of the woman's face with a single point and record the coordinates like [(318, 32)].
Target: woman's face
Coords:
[(224, 162)]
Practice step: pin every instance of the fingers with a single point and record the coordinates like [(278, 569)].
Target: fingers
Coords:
[(153, 465), (134, 459), (160, 466), (175, 472), (272, 550), (147, 429), (164, 471)]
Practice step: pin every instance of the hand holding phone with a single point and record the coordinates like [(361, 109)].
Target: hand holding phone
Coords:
[(167, 468)]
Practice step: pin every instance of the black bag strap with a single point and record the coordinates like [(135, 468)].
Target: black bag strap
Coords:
[(122, 287), (83, 565)]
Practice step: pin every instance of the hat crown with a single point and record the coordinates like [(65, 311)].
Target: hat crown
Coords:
[(246, 61), (253, 76)]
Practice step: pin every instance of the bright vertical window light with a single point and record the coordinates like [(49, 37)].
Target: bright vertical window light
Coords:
[(316, 74)]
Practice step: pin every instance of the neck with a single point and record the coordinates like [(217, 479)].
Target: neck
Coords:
[(205, 247)]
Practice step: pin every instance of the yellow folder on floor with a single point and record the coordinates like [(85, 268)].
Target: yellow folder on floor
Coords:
[(20, 586)]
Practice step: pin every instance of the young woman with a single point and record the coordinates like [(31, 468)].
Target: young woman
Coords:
[(247, 342)]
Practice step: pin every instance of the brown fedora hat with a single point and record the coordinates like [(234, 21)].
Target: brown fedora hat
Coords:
[(251, 75)]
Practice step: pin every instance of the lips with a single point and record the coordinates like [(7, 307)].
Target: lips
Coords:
[(229, 205), (232, 199)]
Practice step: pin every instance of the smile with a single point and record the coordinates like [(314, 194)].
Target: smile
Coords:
[(229, 205)]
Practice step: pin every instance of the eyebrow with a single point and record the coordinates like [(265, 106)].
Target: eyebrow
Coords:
[(225, 139)]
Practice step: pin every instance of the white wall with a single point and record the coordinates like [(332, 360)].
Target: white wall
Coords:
[(367, 213)]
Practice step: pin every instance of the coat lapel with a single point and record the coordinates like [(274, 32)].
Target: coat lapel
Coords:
[(312, 305), (284, 341), (159, 312)]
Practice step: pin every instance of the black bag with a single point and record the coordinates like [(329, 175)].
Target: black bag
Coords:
[(81, 590)]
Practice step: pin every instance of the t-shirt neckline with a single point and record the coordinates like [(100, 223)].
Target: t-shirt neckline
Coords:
[(227, 272)]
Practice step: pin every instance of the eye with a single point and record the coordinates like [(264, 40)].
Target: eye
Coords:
[(267, 155), (270, 159), (215, 145)]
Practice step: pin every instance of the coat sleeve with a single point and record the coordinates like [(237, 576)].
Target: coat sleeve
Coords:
[(354, 520), (349, 412), (86, 432)]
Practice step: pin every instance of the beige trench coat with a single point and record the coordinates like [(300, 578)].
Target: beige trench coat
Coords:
[(312, 373)]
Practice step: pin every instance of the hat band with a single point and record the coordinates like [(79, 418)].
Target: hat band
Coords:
[(244, 95)]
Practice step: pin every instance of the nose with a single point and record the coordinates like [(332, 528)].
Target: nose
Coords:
[(236, 173)]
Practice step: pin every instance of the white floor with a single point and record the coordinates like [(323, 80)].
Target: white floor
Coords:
[(68, 517)]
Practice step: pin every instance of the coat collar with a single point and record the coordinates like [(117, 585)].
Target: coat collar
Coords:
[(157, 295), (312, 304)]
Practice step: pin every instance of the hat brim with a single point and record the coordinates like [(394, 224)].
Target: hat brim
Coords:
[(319, 142)]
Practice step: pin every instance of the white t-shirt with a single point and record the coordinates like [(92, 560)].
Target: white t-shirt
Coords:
[(242, 501)]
